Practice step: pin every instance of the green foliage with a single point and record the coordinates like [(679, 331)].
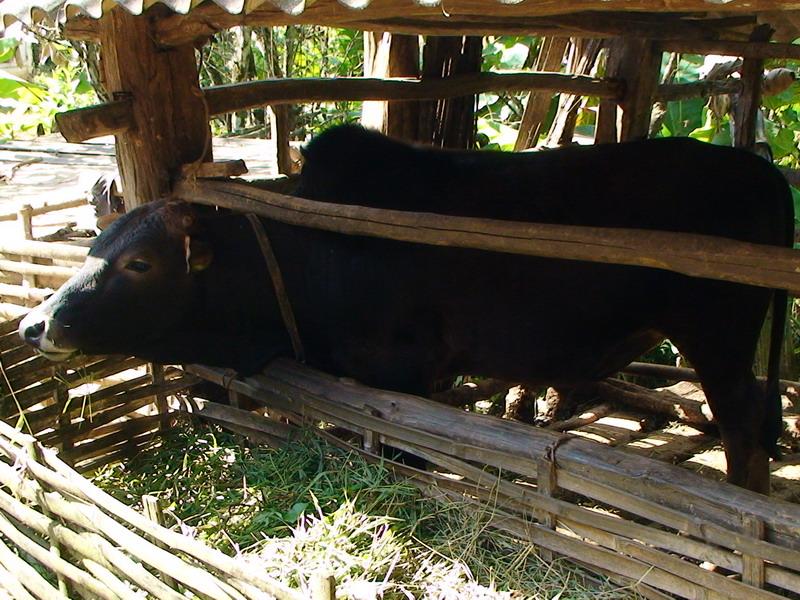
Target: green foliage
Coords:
[(28, 108), (246, 54)]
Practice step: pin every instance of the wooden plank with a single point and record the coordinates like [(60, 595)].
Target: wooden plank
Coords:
[(690, 254)]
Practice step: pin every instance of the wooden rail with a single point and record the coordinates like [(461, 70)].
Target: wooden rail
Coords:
[(689, 254), (106, 119)]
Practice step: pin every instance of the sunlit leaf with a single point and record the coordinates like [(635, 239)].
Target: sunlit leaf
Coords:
[(8, 47)]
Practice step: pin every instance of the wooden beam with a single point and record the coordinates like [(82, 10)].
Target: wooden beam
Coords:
[(87, 123), (671, 92), (470, 17), (82, 124), (690, 254), (228, 98)]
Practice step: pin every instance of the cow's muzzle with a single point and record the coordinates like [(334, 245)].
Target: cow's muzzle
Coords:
[(44, 333)]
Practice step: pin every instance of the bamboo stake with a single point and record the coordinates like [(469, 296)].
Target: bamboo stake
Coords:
[(47, 208), (93, 519), (44, 250), (55, 563), (27, 574), (11, 584), (24, 293), (27, 268), (111, 581), (65, 479), (672, 496), (152, 510), (90, 545), (55, 547)]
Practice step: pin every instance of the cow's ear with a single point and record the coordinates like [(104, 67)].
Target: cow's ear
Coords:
[(198, 254), (106, 220), (179, 216)]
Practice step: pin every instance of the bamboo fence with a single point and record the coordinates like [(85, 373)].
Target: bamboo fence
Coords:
[(89, 544)]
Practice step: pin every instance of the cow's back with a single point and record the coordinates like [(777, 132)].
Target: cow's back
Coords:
[(670, 184)]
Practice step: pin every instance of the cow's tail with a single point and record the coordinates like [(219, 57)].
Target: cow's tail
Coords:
[(773, 418)]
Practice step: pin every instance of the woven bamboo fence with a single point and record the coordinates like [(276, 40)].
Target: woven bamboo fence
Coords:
[(92, 545), (96, 547), (31, 270)]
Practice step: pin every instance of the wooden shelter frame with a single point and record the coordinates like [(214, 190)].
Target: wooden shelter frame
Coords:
[(160, 117)]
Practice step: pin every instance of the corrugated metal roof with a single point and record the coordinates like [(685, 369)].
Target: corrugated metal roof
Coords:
[(29, 11)]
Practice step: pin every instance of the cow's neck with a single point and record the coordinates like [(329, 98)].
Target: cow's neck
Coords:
[(236, 309)]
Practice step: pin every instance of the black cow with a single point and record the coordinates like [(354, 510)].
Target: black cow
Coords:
[(174, 283)]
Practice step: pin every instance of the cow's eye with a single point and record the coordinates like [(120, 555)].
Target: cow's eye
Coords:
[(138, 266)]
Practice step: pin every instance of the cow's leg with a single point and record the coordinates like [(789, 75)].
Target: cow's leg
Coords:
[(722, 354), (737, 403), (718, 333)]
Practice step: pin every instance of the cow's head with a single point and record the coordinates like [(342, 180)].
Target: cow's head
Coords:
[(136, 287)]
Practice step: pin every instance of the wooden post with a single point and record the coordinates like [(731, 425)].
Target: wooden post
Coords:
[(170, 124), (152, 510), (582, 60), (749, 101), (391, 55), (61, 399), (547, 485), (323, 587), (637, 62), (449, 123), (753, 568), (24, 216), (279, 131), (156, 372), (402, 118), (549, 60)]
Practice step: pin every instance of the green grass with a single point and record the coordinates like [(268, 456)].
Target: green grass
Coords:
[(311, 506)]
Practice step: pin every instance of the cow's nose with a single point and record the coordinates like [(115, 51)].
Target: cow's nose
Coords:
[(33, 333)]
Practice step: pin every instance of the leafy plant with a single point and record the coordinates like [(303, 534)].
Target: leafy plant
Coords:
[(28, 108)]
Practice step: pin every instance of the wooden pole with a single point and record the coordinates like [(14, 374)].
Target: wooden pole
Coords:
[(690, 254), (550, 57), (169, 118), (26, 221), (748, 103), (450, 121), (638, 63)]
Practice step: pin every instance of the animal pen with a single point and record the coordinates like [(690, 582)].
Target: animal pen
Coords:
[(659, 522)]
